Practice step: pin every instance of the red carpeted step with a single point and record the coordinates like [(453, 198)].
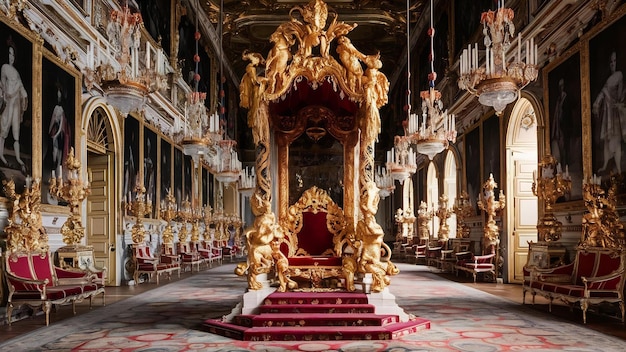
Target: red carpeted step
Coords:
[(316, 298), (317, 308), (324, 333), (407, 327), (322, 319), (216, 326)]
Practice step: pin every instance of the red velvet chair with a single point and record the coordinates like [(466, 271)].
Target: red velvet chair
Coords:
[(147, 263), (189, 256)]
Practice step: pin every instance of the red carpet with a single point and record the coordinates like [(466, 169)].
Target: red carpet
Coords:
[(315, 316)]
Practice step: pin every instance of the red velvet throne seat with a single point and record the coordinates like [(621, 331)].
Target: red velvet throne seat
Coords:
[(315, 238)]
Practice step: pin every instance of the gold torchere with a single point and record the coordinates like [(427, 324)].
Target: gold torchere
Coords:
[(196, 215), (443, 213), (24, 229), (74, 191), (207, 213), (488, 203), (168, 213), (463, 209), (185, 216), (549, 186), (423, 218), (139, 207)]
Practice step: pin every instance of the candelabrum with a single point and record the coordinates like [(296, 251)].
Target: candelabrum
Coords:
[(488, 203), (185, 214), (601, 224), (443, 213), (551, 184), (168, 213), (139, 207), (24, 228), (424, 216), (463, 209), (401, 159), (73, 191)]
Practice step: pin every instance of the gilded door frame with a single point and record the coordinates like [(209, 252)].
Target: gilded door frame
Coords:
[(116, 225)]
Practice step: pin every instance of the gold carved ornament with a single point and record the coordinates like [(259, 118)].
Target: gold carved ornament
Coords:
[(282, 68), (601, 224), (73, 191), (491, 206), (24, 230)]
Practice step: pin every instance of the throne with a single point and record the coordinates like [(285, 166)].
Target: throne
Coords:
[(315, 240)]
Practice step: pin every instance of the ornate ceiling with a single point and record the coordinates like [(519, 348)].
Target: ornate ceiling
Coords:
[(381, 26)]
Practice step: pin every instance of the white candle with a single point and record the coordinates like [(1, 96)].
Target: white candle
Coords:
[(475, 55), (147, 54), (519, 47), (53, 174), (532, 49)]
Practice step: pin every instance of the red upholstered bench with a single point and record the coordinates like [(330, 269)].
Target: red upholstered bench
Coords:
[(32, 279), (595, 276)]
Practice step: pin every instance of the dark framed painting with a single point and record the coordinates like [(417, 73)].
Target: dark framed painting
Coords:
[(186, 52), (165, 166), (467, 22), (491, 151), (58, 108), (607, 60), (131, 157), (16, 106), (204, 198), (211, 185), (178, 176), (156, 19), (472, 165), (563, 98), (149, 167), (188, 183)]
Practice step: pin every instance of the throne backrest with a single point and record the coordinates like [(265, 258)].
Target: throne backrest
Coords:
[(315, 224)]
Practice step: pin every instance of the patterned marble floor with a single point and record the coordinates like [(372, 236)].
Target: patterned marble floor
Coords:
[(464, 318)]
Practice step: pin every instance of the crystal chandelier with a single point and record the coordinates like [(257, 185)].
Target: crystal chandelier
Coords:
[(401, 159), (384, 182), (127, 85), (201, 132), (247, 182), (435, 128), (498, 83), (227, 165)]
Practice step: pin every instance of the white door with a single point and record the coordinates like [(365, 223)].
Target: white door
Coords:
[(100, 222), (525, 214)]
